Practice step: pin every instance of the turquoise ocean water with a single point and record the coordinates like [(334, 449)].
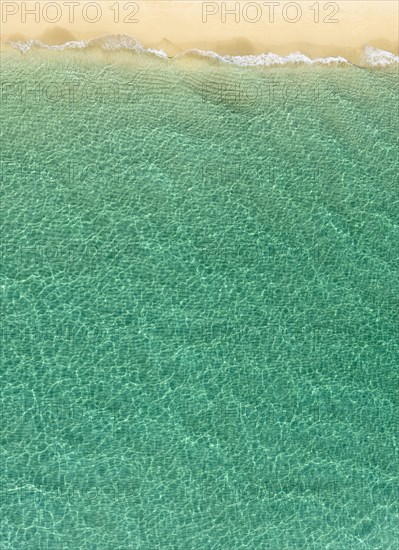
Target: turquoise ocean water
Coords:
[(199, 341)]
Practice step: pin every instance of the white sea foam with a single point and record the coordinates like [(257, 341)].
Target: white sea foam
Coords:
[(372, 57), (266, 59), (109, 42), (378, 58)]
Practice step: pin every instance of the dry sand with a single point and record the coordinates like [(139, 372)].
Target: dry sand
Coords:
[(180, 25)]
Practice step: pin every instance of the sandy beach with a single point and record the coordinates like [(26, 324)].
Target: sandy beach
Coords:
[(320, 29)]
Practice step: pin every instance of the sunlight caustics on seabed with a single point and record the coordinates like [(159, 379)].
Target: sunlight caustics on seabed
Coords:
[(199, 297)]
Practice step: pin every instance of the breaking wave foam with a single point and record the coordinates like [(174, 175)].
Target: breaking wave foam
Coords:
[(265, 59), (372, 57), (379, 58), (110, 42)]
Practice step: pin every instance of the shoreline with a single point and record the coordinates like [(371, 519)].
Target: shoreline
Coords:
[(118, 47)]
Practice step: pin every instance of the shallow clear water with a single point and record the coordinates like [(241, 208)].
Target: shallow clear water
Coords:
[(199, 298)]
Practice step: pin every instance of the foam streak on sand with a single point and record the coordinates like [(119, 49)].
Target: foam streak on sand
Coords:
[(372, 57)]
